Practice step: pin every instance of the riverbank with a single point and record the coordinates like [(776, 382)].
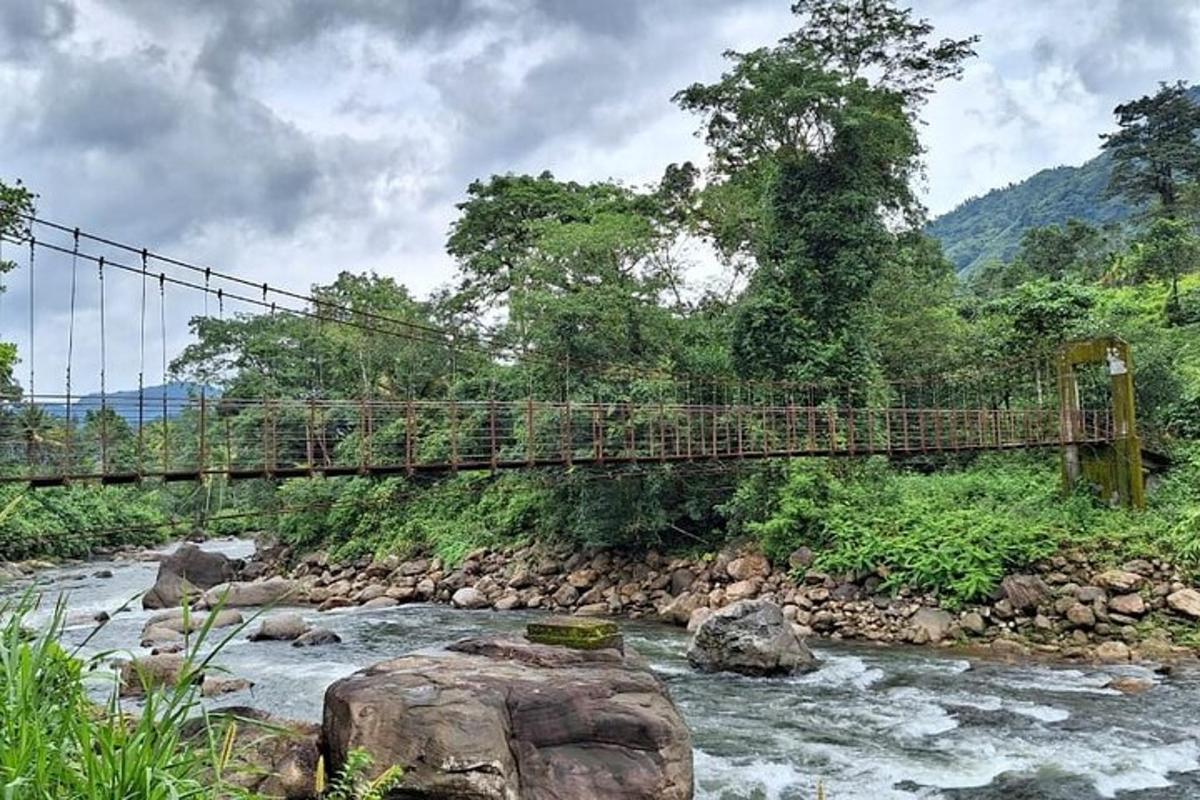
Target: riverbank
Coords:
[(899, 722), (1066, 608)]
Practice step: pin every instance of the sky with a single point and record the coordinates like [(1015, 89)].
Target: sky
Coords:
[(286, 141)]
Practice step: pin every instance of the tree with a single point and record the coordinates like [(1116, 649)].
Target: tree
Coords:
[(828, 156), (1074, 249), (858, 37), (1167, 249), (15, 203), (1156, 149)]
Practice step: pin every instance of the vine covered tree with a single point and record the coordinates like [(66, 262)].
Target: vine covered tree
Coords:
[(819, 132)]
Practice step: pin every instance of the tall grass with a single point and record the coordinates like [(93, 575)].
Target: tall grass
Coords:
[(57, 743)]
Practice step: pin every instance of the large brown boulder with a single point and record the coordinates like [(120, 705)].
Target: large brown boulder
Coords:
[(501, 719), (751, 637), (248, 594), (187, 572)]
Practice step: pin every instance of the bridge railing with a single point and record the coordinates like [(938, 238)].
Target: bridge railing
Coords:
[(124, 439)]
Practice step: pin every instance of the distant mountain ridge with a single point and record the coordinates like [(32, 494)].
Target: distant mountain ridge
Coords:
[(990, 227), (125, 403)]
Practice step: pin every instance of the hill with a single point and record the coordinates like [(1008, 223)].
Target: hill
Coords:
[(990, 227), (125, 404)]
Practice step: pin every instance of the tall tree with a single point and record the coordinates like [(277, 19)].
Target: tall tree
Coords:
[(1156, 148), (819, 131), (16, 202)]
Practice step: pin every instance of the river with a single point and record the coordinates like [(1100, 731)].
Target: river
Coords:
[(870, 724)]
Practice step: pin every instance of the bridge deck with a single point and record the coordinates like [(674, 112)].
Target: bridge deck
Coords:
[(124, 440)]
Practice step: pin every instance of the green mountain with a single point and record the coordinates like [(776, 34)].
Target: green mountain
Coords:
[(990, 227)]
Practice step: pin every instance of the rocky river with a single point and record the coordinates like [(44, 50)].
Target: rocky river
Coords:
[(871, 723)]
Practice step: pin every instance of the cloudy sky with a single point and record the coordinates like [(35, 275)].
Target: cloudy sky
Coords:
[(288, 140)]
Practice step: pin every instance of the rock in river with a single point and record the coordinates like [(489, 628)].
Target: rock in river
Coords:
[(187, 572), (751, 637), (280, 628), (500, 719), (244, 594)]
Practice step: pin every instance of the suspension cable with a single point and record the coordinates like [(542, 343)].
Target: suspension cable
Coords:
[(32, 350)]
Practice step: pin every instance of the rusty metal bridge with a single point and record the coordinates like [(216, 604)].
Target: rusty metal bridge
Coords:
[(127, 437)]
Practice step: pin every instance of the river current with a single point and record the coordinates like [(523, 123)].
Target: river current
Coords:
[(870, 724)]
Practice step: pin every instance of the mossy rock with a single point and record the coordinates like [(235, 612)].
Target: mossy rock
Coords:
[(576, 633)]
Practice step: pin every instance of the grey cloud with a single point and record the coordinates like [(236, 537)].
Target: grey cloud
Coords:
[(28, 26), (1115, 59)]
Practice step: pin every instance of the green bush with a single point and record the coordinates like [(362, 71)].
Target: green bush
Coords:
[(71, 522)]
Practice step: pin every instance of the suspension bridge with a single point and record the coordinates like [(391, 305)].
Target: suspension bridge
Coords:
[(636, 416)]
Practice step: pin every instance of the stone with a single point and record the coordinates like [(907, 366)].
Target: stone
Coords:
[(1120, 580), (187, 573), (1009, 649), (1128, 684), (750, 637), (934, 623), (213, 686), (372, 592), (425, 588), (159, 636), (497, 719), (508, 602), (743, 590), (582, 578), (577, 634), (1113, 652), (335, 602), (176, 620), (1129, 605), (973, 623), (567, 595), (754, 565), (315, 637), (697, 618), (593, 610), (249, 594), (679, 611), (1186, 602), (381, 602), (801, 558), (281, 628), (470, 598), (681, 580), (1091, 594), (1025, 592), (102, 574), (411, 569), (1081, 616), (153, 671), (522, 577)]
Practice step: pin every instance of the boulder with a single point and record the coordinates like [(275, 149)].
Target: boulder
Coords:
[(751, 637), (499, 719), (187, 572), (743, 590), (381, 602), (679, 610), (149, 672), (973, 622), (317, 636), (176, 620), (1113, 653), (931, 625), (1131, 605), (1120, 580), (214, 687), (1025, 592), (698, 617), (754, 565), (249, 594), (1081, 616), (1186, 602), (468, 597), (281, 628)]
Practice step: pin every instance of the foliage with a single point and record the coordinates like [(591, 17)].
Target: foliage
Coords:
[(55, 743), (956, 532), (72, 522), (1156, 148), (352, 782)]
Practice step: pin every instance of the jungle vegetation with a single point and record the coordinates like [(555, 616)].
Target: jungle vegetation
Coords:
[(829, 276)]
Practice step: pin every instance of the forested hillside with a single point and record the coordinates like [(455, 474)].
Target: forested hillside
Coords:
[(989, 228)]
